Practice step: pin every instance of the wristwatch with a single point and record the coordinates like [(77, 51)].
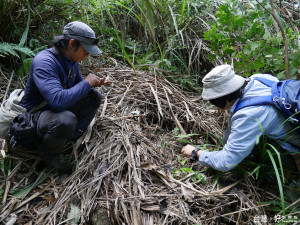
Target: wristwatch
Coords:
[(194, 154)]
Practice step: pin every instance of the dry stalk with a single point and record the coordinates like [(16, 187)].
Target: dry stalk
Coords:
[(133, 129)]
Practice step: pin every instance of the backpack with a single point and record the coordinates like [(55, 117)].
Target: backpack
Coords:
[(9, 109), (23, 129), (14, 118), (285, 97)]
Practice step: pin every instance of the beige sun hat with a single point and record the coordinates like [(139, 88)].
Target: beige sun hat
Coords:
[(221, 81)]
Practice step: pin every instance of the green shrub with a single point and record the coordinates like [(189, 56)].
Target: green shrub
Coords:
[(247, 36)]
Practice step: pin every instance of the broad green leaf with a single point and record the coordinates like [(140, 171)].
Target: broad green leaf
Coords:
[(281, 75), (253, 45), (247, 51)]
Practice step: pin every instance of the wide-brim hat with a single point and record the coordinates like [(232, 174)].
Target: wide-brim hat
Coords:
[(84, 34), (221, 81)]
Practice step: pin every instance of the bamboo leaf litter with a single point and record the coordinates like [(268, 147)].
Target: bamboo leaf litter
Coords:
[(122, 168)]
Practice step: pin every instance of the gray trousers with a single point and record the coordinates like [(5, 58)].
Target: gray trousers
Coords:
[(57, 128)]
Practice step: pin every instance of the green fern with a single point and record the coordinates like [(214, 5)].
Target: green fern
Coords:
[(13, 49)]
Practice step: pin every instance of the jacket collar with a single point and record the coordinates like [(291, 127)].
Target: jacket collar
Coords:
[(65, 61)]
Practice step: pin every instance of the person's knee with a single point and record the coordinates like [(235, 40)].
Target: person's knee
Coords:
[(95, 97), (67, 124), (63, 124)]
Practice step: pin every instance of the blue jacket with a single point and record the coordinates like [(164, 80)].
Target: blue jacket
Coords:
[(56, 79)]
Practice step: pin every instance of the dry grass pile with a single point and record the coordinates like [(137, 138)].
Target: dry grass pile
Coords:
[(125, 162)]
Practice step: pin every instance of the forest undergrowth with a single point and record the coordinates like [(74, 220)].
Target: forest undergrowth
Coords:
[(128, 168)]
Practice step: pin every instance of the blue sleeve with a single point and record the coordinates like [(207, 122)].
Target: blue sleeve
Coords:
[(47, 80), (245, 130)]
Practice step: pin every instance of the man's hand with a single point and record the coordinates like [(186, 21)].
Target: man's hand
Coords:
[(187, 151), (96, 81)]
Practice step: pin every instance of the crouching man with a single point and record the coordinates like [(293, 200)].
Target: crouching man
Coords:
[(71, 100)]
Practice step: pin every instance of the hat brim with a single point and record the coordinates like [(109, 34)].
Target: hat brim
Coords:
[(93, 50), (223, 89)]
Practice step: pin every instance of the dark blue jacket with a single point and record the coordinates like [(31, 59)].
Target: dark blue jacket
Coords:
[(56, 79)]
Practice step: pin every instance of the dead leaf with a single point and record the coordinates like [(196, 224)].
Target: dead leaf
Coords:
[(148, 166)]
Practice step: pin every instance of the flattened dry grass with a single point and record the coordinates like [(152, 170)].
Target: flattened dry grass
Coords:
[(123, 172)]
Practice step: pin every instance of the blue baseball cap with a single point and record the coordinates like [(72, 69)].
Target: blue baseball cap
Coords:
[(84, 34)]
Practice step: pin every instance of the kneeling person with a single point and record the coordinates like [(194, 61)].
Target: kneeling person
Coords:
[(224, 89)]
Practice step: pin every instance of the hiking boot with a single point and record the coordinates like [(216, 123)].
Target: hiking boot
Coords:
[(61, 166)]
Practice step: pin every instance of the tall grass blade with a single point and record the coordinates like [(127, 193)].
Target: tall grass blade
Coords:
[(256, 171), (174, 21), (119, 40), (150, 15), (217, 137), (25, 34), (27, 189), (148, 12), (130, 10), (179, 33), (279, 160), (278, 181), (183, 6), (177, 56)]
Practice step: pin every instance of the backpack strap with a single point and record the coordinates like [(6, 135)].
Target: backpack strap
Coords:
[(38, 107), (260, 100), (265, 81), (277, 99)]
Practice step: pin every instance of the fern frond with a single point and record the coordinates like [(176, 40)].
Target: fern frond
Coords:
[(12, 49), (25, 50), (8, 49)]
